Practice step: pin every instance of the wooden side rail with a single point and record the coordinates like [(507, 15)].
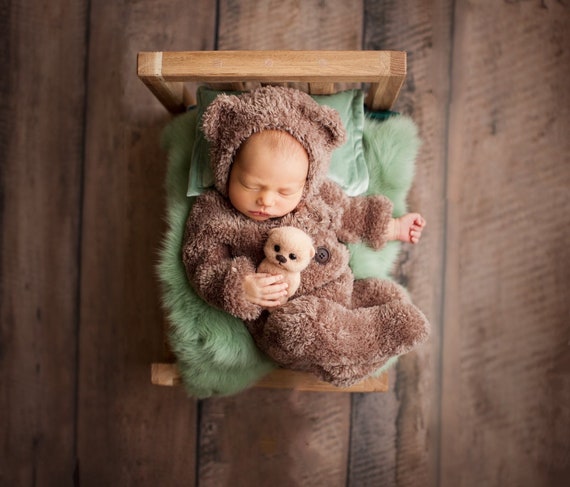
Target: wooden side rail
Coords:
[(168, 375), (164, 73)]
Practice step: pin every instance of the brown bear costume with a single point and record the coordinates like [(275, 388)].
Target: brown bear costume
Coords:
[(338, 328)]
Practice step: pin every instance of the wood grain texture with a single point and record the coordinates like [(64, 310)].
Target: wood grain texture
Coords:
[(275, 437), (291, 24), (164, 72), (273, 65), (406, 419), (168, 374), (41, 144), (129, 432), (506, 385), (373, 443), (492, 104)]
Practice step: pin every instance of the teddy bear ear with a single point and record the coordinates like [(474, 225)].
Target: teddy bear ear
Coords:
[(329, 122), (333, 127), (218, 115)]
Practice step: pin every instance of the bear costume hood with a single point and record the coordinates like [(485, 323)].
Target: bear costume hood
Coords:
[(231, 119)]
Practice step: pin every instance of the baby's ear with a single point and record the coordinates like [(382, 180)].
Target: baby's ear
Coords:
[(312, 252), (219, 115)]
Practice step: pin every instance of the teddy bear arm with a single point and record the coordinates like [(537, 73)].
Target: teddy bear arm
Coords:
[(358, 218), (219, 281), (366, 218)]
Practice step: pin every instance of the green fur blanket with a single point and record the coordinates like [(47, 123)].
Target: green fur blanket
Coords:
[(215, 353)]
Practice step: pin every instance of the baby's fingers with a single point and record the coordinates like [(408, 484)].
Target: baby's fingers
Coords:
[(270, 301), (265, 303), (268, 279), (275, 292), (419, 222), (415, 235)]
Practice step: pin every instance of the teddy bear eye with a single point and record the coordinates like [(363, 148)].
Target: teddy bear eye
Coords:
[(292, 256), (277, 248)]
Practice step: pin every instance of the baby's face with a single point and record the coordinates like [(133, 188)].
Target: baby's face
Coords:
[(268, 176)]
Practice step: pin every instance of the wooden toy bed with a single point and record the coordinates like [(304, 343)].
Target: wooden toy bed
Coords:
[(381, 73)]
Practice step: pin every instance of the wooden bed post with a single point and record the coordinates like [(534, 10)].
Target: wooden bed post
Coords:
[(173, 95), (383, 94)]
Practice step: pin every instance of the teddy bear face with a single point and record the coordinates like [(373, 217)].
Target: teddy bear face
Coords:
[(289, 248)]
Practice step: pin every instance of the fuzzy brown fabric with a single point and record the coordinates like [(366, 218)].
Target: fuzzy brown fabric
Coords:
[(340, 329), (231, 120)]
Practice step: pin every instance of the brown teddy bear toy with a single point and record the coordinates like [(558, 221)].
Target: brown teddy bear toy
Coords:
[(270, 150), (288, 251)]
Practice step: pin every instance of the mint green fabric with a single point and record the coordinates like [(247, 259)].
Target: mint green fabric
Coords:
[(215, 353), (353, 177)]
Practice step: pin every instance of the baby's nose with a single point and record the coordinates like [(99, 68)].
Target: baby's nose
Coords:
[(265, 199), (281, 258)]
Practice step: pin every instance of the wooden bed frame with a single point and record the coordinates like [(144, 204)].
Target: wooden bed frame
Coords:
[(318, 72)]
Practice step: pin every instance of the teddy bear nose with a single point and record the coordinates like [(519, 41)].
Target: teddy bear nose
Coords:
[(280, 258)]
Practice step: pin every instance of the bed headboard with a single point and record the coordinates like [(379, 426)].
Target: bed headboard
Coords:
[(165, 73)]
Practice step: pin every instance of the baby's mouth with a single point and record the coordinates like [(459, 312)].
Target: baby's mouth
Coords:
[(260, 214)]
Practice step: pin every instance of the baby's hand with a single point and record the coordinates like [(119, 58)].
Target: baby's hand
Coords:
[(408, 228), (266, 290)]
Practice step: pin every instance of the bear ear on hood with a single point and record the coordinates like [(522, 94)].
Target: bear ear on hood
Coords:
[(219, 116), (329, 122)]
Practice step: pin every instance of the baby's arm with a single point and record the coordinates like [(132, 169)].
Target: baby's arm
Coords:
[(265, 290), (407, 228)]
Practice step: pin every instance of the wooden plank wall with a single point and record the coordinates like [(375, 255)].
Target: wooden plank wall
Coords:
[(485, 402), (41, 146), (506, 367), (129, 432)]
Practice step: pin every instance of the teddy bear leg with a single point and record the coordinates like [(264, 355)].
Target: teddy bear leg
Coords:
[(373, 292), (407, 328), (309, 333), (347, 375)]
